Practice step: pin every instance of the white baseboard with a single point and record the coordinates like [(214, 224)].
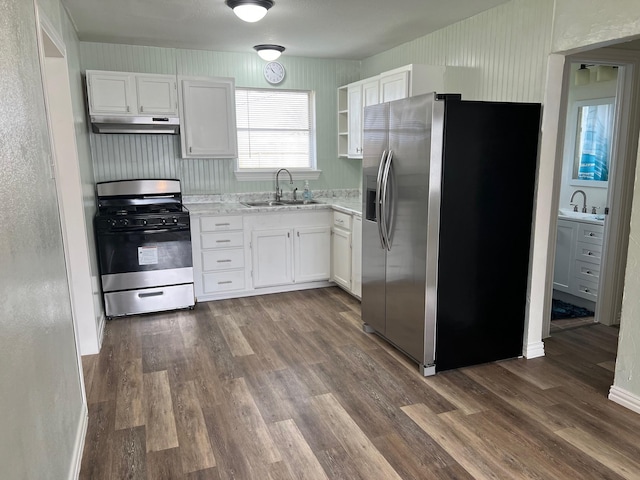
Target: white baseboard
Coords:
[(78, 446), (625, 398), (533, 350)]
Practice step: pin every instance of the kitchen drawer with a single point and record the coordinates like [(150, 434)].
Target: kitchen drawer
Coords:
[(216, 224), (589, 233), (223, 281), (342, 220), (147, 300), (588, 252), (222, 239), (222, 259), (588, 272), (586, 289)]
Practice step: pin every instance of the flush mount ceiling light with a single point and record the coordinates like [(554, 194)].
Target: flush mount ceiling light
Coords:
[(269, 52), (583, 75), (250, 10)]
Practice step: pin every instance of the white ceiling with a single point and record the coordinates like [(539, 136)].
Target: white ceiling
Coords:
[(347, 29)]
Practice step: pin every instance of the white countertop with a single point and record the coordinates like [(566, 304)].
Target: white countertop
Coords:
[(352, 206), (592, 218)]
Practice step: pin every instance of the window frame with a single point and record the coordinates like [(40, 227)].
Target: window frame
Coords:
[(309, 173)]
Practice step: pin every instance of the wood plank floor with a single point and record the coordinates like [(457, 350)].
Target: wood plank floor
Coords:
[(287, 386)]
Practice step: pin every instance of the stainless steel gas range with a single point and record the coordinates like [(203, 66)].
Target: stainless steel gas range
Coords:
[(144, 247)]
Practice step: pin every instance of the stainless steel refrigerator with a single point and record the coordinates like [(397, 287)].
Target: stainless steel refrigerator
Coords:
[(448, 190)]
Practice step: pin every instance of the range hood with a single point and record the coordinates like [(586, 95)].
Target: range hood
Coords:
[(137, 124)]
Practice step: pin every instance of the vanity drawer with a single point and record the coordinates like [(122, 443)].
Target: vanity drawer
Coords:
[(222, 240), (588, 252), (585, 289), (342, 220), (223, 281), (588, 272), (589, 233), (216, 224), (222, 259)]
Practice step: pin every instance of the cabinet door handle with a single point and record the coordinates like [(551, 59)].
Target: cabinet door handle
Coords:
[(189, 149), (127, 108), (141, 109)]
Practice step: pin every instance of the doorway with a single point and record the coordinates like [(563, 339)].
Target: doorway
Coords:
[(595, 187)]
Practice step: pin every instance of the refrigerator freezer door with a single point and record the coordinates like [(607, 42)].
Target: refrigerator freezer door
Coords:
[(376, 139), (410, 141)]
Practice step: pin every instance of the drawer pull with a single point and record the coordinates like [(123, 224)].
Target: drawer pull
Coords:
[(150, 294), (588, 272), (222, 224), (226, 282), (224, 261), (223, 241), (591, 234), (586, 290), (589, 253)]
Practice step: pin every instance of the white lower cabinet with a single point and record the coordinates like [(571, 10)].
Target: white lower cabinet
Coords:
[(356, 256), (244, 255), (218, 255), (578, 255), (289, 249), (271, 257), (346, 251)]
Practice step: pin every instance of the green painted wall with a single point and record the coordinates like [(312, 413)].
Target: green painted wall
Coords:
[(133, 156)]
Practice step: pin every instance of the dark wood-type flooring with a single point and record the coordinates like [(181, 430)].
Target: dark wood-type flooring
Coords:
[(288, 386)]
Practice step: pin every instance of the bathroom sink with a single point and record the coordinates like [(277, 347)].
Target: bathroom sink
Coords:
[(568, 213)]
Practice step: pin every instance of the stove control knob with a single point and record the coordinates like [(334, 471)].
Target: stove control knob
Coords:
[(144, 222), (112, 223), (125, 222), (175, 220), (164, 221)]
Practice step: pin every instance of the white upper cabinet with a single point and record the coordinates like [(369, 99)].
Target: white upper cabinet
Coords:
[(208, 117), (396, 84), (157, 94), (125, 93), (111, 93), (354, 101)]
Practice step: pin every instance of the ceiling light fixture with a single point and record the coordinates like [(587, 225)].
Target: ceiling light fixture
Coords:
[(250, 10), (269, 52), (583, 75)]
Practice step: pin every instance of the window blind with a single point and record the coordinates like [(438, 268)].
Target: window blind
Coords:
[(274, 129)]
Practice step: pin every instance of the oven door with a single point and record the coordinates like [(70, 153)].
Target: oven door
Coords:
[(131, 259)]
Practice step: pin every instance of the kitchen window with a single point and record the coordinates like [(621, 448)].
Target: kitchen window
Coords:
[(276, 129)]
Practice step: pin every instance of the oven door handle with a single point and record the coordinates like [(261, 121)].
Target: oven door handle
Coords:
[(147, 231)]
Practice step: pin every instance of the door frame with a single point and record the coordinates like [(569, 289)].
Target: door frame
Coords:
[(622, 177), (61, 132)]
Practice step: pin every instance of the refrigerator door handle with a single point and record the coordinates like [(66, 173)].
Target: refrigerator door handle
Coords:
[(379, 211), (383, 207)]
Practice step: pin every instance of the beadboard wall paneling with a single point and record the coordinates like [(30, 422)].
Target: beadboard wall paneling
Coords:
[(132, 156), (504, 51)]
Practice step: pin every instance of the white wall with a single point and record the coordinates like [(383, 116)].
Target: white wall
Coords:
[(40, 393)]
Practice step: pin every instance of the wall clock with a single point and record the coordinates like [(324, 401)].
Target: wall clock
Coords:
[(274, 72)]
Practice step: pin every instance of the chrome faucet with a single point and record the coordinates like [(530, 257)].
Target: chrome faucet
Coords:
[(584, 201), (278, 189)]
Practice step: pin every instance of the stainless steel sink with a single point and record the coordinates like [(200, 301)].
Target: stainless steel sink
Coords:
[(271, 203), (281, 203), (298, 202)]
